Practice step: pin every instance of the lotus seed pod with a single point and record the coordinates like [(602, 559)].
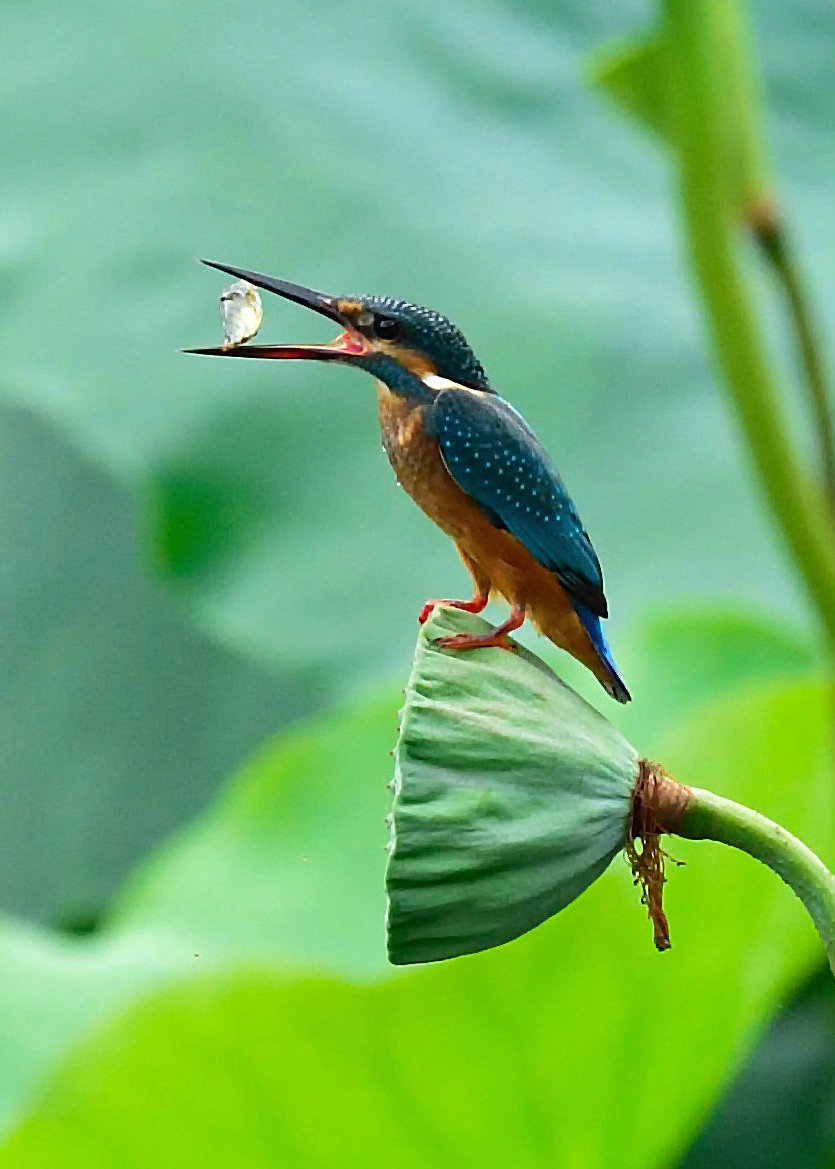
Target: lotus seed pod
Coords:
[(511, 796)]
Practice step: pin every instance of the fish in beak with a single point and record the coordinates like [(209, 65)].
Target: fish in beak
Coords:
[(347, 346)]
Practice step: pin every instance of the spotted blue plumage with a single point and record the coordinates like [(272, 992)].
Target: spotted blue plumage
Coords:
[(494, 456), (484, 443), (434, 335)]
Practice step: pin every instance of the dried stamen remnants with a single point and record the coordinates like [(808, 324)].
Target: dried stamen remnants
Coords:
[(658, 802)]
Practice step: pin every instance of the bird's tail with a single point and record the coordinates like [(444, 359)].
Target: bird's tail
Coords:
[(614, 685)]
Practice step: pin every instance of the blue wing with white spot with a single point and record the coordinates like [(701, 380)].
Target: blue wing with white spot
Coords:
[(494, 457)]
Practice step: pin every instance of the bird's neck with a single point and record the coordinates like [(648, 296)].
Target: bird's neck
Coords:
[(397, 378)]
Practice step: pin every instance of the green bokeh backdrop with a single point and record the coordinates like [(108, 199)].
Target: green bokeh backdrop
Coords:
[(446, 152), (200, 553)]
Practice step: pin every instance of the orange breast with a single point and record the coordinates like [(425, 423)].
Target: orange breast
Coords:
[(502, 562), (420, 470)]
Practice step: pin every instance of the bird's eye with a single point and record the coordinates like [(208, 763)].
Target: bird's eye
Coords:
[(386, 329)]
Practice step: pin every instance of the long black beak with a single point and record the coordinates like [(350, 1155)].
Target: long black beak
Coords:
[(326, 305), (349, 344)]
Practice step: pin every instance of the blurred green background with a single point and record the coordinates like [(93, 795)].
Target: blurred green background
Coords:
[(200, 554)]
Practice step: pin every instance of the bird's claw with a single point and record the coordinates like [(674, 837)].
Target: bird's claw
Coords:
[(474, 606), (423, 616)]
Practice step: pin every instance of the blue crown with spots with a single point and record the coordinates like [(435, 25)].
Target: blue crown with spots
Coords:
[(435, 335)]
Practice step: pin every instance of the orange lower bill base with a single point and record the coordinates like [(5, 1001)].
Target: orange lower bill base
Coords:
[(346, 345)]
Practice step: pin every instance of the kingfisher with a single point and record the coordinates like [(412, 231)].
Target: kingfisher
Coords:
[(471, 463)]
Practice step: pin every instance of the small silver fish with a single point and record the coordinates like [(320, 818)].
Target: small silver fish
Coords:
[(241, 313)]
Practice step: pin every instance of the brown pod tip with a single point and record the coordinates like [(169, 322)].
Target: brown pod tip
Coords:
[(658, 803)]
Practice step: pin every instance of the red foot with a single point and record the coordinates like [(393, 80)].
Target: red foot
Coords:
[(473, 606), (497, 638), (465, 641)]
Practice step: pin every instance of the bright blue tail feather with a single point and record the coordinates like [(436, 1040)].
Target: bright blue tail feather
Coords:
[(592, 626)]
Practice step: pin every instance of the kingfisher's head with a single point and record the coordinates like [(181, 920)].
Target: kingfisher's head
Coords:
[(380, 334)]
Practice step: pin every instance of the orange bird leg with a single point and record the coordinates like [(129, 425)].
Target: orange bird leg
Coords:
[(497, 638)]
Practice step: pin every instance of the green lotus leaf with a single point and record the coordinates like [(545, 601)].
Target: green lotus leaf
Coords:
[(634, 74), (511, 795)]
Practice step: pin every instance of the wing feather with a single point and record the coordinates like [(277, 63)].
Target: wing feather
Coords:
[(494, 456)]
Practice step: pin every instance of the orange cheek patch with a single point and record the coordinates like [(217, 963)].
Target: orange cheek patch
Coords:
[(351, 308), (411, 359)]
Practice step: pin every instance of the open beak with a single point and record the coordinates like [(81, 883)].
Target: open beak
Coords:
[(349, 344)]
